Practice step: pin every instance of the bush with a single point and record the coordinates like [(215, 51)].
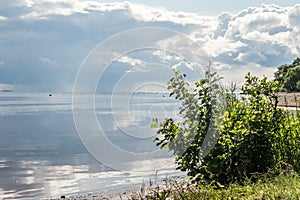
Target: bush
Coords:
[(288, 76), (229, 140)]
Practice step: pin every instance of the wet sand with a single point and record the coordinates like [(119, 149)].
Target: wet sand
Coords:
[(105, 195)]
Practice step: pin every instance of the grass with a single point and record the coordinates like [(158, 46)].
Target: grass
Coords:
[(284, 186)]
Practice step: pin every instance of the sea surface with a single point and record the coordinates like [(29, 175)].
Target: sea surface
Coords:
[(42, 154)]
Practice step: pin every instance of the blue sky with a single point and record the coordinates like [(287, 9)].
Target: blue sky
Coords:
[(43, 43)]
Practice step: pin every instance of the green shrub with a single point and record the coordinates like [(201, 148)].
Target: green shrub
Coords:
[(289, 76), (223, 138)]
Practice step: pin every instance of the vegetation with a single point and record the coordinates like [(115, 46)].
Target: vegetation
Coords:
[(288, 76), (225, 139), (284, 186)]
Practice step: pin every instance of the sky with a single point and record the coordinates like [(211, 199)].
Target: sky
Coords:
[(211, 7), (45, 43)]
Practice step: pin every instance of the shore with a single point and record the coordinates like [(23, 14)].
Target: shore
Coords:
[(104, 195), (174, 185), (123, 194)]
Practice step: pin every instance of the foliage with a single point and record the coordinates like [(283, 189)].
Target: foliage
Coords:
[(198, 106), (229, 144), (255, 135), (292, 80), (290, 131), (289, 76)]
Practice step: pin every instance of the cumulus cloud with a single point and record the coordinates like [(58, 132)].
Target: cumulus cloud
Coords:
[(294, 22), (2, 18), (131, 61), (174, 60), (294, 16), (221, 45), (152, 14), (43, 8), (64, 31), (267, 36)]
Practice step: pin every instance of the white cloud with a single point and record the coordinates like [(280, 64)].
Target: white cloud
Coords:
[(2, 18), (237, 75), (223, 21), (152, 14), (174, 59), (251, 56), (42, 9), (294, 23), (256, 21), (294, 16), (229, 34), (221, 45), (267, 36), (130, 61), (48, 61), (6, 87), (257, 34), (184, 49)]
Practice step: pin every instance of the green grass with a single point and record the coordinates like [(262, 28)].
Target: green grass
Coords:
[(284, 186)]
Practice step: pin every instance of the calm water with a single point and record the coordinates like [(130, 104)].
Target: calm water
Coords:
[(41, 154)]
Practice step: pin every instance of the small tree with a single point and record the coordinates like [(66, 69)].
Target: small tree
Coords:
[(288, 76), (229, 141), (188, 138)]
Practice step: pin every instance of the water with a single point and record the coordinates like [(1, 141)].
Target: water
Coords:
[(42, 155)]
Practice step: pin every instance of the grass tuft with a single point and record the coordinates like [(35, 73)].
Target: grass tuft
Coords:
[(283, 186)]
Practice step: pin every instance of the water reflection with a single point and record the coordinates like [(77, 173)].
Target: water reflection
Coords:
[(41, 154)]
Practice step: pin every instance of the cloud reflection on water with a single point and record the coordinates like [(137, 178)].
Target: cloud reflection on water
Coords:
[(42, 156)]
